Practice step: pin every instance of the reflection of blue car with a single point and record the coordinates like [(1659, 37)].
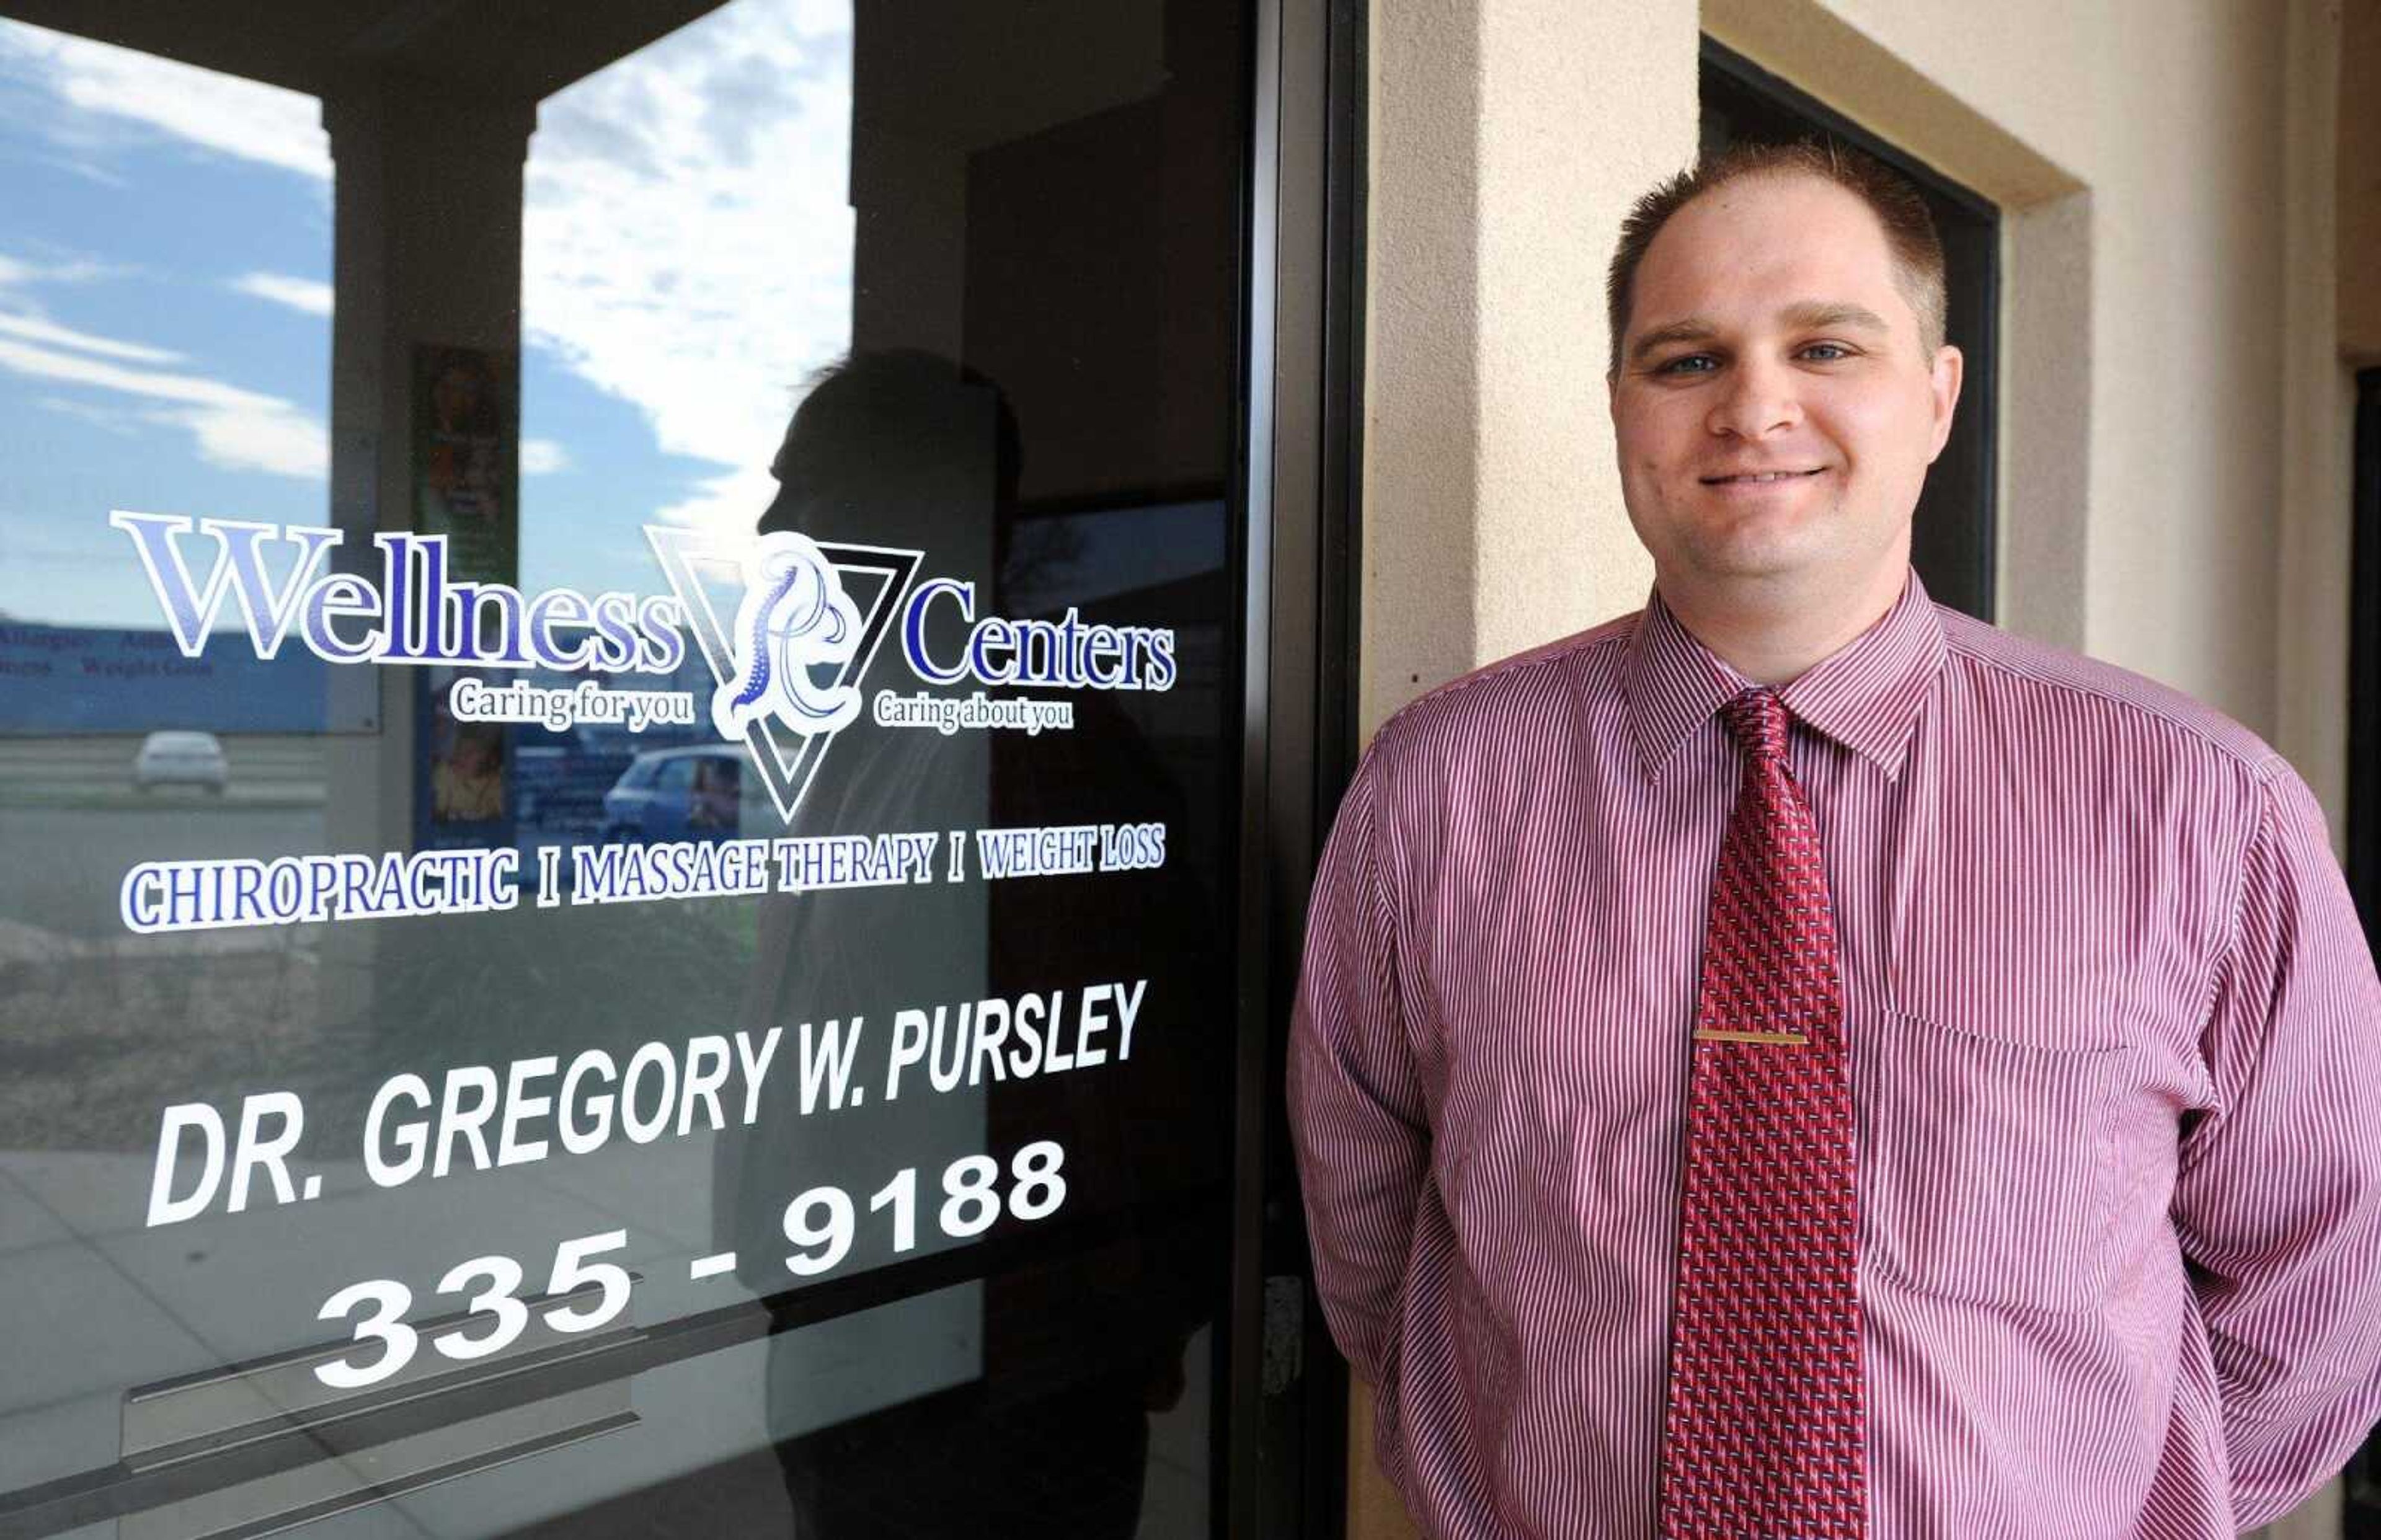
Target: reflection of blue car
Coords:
[(677, 794), (559, 779)]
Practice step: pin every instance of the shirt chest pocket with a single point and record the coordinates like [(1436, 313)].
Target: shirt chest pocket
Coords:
[(1987, 1165)]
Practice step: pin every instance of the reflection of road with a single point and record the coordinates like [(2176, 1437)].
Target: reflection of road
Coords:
[(64, 864), (282, 767)]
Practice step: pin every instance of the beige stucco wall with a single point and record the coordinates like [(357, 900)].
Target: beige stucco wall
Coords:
[(2173, 410), (1507, 141)]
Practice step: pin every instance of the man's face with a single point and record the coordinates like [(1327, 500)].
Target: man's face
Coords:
[(1775, 408)]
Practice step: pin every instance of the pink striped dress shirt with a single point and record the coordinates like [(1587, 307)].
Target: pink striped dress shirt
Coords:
[(2116, 1047)]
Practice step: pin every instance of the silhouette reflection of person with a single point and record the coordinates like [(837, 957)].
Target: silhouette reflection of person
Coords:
[(1018, 1405)]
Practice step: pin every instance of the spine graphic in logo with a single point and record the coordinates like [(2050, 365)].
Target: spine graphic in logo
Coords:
[(795, 616), (788, 628)]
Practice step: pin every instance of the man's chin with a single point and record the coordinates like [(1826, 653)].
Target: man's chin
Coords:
[(1785, 574), (1766, 557)]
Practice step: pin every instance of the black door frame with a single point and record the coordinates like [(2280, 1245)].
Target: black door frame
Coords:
[(1284, 1431)]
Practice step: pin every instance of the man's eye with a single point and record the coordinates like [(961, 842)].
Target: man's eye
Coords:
[(1827, 352), (1692, 363)]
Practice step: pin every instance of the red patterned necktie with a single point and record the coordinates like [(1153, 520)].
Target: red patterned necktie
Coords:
[(1762, 1437)]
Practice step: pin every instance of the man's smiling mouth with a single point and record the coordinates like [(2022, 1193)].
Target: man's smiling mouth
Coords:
[(1760, 477)]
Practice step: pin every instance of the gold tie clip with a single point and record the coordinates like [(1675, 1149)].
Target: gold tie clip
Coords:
[(1721, 1034)]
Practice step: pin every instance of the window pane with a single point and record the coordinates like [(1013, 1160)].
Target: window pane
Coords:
[(617, 909)]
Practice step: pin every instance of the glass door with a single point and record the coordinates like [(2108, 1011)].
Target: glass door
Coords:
[(624, 680)]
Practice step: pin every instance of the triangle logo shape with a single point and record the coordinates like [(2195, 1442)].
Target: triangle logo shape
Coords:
[(706, 572)]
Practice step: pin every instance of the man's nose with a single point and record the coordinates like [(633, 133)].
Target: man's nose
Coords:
[(1755, 399)]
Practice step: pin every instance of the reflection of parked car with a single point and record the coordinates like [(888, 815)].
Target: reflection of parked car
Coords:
[(559, 778), (677, 794), (180, 759)]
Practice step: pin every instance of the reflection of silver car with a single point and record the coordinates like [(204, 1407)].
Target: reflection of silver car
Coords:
[(180, 759)]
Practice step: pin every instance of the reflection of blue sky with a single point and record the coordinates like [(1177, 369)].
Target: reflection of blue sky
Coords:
[(131, 374), (164, 340)]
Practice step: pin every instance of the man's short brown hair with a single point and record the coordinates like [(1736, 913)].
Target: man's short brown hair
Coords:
[(1908, 229)]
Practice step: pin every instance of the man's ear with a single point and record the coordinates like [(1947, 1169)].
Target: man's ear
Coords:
[(1943, 385)]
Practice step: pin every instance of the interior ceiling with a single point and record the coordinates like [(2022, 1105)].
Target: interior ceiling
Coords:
[(494, 50)]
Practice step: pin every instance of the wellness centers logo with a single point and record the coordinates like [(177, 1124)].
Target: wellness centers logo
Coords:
[(788, 627)]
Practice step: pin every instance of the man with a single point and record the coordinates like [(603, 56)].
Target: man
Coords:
[(1800, 1062)]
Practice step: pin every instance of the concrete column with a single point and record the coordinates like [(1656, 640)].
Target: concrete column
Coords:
[(1508, 140), (2357, 182), (427, 249), (2318, 395)]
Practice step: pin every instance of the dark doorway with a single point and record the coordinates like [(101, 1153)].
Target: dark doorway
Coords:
[(2363, 1480), (2365, 661)]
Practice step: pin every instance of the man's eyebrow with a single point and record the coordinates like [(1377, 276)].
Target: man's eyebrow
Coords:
[(1694, 328), (1813, 315), (1807, 316)]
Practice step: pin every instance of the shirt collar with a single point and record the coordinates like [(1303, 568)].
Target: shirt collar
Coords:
[(1865, 696)]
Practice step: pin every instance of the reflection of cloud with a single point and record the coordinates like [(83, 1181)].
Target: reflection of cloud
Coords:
[(123, 425), (22, 316), (309, 295), (686, 241), (232, 427), (81, 270), (235, 429), (731, 501), (263, 434), (33, 329), (732, 283), (240, 117), (543, 457)]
